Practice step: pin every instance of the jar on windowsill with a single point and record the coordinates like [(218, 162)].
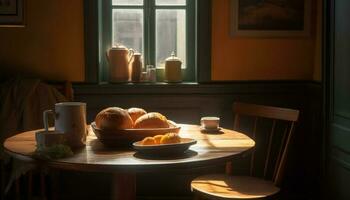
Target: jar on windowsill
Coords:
[(173, 69), (136, 68)]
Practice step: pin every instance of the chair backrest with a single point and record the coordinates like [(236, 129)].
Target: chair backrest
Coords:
[(65, 88), (277, 126)]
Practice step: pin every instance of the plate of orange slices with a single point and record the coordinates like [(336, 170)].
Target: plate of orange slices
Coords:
[(164, 145)]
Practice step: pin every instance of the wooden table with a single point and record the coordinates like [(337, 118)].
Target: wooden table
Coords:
[(211, 149)]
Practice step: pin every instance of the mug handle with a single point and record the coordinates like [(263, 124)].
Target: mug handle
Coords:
[(46, 119)]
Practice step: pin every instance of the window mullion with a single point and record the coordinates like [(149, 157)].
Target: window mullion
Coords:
[(126, 7), (146, 56), (149, 32), (105, 30), (190, 74), (152, 32)]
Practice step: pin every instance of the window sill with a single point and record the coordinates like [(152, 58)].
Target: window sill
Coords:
[(135, 88), (189, 88), (149, 83)]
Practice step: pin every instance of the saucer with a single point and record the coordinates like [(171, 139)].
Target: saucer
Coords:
[(49, 138), (210, 130)]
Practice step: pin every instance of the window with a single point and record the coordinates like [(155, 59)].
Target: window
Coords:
[(156, 28), (98, 33)]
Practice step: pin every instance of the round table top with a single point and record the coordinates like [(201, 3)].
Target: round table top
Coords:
[(211, 149)]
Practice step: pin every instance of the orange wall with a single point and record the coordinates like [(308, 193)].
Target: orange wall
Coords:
[(258, 58), (51, 46)]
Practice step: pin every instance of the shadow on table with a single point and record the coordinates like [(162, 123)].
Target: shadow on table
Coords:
[(98, 148), (186, 154), (212, 132)]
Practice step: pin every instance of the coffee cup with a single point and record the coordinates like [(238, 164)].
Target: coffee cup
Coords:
[(210, 123), (70, 119)]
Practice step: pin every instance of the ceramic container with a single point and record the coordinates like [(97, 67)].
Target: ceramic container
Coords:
[(136, 68), (119, 58), (151, 73), (172, 69)]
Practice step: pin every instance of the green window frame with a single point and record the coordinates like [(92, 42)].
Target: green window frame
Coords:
[(98, 38)]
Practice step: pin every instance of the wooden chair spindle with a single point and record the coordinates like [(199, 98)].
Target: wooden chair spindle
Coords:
[(267, 160), (253, 151)]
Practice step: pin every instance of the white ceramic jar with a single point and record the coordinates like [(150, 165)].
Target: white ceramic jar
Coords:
[(173, 69)]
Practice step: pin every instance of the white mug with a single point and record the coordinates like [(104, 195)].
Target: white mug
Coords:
[(70, 119)]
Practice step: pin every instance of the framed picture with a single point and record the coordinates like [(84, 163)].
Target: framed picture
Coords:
[(12, 13), (270, 18)]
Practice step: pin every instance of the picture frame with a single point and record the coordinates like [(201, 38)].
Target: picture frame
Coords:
[(270, 18), (12, 13)]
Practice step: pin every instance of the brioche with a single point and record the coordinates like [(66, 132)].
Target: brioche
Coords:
[(113, 118), (170, 138), (135, 113), (148, 141), (157, 138), (151, 120)]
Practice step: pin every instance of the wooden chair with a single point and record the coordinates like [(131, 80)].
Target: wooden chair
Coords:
[(66, 89), (266, 169)]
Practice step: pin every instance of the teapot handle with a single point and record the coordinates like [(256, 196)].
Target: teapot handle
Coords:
[(131, 54)]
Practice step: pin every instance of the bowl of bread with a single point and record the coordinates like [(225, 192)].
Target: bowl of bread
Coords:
[(116, 126)]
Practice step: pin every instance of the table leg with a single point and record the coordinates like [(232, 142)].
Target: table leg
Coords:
[(42, 186), (54, 184), (2, 173), (30, 184), (124, 187), (17, 189)]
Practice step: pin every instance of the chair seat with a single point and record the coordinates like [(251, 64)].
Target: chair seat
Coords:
[(222, 186)]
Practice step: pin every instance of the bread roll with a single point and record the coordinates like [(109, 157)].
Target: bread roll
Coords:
[(157, 138), (135, 113), (113, 118), (148, 141), (152, 120), (170, 138)]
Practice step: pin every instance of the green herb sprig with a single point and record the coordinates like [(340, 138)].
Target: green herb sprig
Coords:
[(53, 152)]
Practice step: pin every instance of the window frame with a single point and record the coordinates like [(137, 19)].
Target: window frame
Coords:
[(97, 16)]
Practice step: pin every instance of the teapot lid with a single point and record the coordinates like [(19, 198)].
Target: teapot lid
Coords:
[(173, 58), (119, 47)]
